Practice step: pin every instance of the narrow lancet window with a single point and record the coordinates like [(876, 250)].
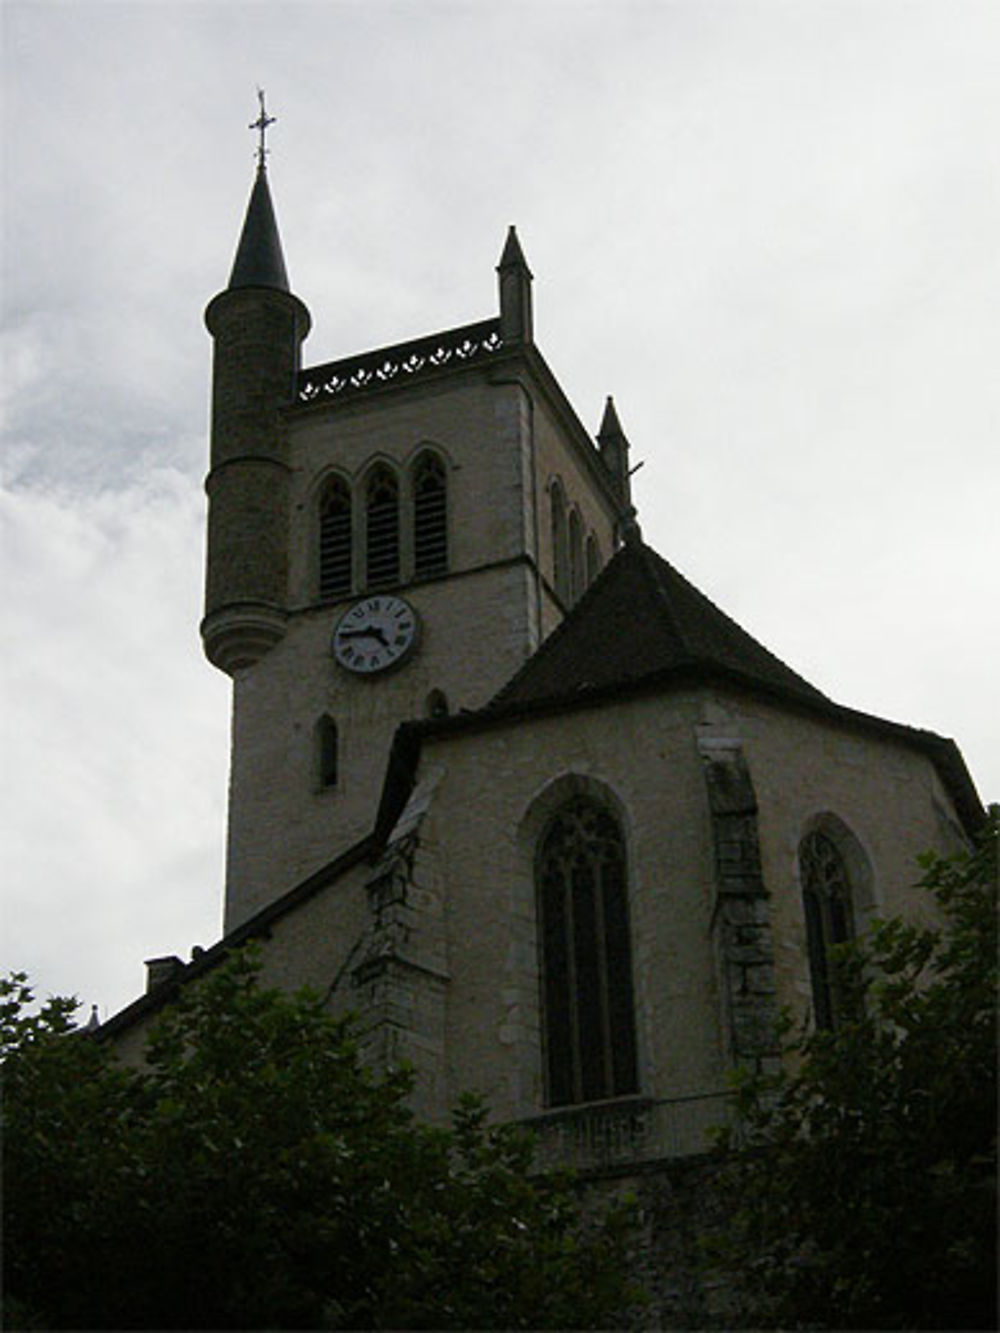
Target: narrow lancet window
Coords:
[(575, 556), (382, 528), (588, 1017), (430, 517), (335, 564), (437, 704), (560, 561), (826, 900), (327, 756), (593, 559)]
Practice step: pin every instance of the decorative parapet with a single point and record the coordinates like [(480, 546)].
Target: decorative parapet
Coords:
[(399, 364), (628, 1131)]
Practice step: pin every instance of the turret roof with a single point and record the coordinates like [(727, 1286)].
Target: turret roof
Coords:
[(259, 260)]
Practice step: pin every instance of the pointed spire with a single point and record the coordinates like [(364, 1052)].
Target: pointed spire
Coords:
[(610, 425), (515, 292), (259, 261), (513, 255), (613, 445)]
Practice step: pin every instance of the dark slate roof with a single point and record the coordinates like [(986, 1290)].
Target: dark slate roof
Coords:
[(259, 260), (639, 619)]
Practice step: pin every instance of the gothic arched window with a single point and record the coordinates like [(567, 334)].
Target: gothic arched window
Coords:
[(436, 704), (829, 913), (382, 528), (576, 584), (327, 756), (588, 1017), (560, 560), (335, 563), (430, 517), (593, 559)]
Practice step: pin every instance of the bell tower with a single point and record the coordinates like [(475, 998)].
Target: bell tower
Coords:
[(390, 536)]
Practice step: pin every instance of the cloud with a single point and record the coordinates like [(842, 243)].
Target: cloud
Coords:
[(114, 734)]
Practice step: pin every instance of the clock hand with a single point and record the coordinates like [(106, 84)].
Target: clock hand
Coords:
[(370, 632)]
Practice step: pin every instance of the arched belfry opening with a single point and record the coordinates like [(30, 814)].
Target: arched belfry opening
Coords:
[(382, 546), (336, 563), (430, 516)]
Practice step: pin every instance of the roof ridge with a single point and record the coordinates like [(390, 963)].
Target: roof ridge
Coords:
[(729, 621), (648, 556)]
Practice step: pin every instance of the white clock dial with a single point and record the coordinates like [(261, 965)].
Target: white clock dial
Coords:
[(374, 634)]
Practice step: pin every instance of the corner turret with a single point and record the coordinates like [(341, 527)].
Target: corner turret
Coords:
[(258, 327)]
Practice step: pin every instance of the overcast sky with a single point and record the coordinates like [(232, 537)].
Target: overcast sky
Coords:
[(769, 229)]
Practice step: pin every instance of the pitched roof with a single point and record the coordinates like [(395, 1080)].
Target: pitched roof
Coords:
[(641, 618)]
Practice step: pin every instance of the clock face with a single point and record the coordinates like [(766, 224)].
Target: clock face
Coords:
[(375, 634)]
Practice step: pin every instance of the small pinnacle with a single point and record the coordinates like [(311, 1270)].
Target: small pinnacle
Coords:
[(513, 255), (610, 425)]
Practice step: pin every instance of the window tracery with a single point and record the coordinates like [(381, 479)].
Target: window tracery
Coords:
[(587, 1003), (829, 914)]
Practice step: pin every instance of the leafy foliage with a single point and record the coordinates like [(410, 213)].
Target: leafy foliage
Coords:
[(867, 1171), (255, 1174)]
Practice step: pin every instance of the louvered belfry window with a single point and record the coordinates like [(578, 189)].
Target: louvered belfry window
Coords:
[(430, 517), (335, 567), (826, 899), (382, 528), (588, 1017)]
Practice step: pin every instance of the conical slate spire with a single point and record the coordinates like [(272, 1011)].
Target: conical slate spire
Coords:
[(259, 261)]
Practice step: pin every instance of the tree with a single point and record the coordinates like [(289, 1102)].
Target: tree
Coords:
[(255, 1174), (866, 1167)]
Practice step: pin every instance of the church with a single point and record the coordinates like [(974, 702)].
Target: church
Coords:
[(504, 784)]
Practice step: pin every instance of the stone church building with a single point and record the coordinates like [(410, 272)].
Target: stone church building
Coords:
[(503, 782)]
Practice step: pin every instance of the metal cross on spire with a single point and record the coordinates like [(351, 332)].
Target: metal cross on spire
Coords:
[(261, 124)]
